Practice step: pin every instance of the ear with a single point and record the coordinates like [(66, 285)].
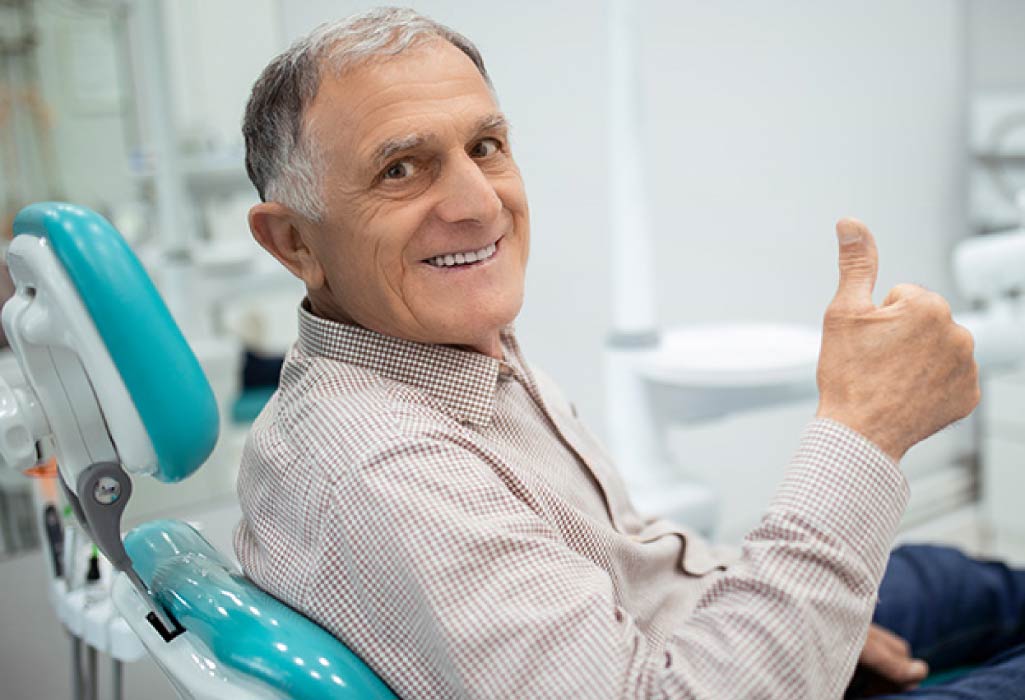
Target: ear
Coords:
[(284, 234)]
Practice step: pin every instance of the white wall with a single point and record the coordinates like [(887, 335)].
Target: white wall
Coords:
[(996, 59), (216, 51), (769, 121)]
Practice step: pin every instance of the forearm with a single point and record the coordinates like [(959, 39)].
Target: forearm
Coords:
[(789, 619)]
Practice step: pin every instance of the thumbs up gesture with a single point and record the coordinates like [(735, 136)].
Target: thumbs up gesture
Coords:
[(896, 373)]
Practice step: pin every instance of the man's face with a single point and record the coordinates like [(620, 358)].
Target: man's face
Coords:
[(418, 175)]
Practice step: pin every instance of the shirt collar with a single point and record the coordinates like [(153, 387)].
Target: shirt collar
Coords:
[(463, 380)]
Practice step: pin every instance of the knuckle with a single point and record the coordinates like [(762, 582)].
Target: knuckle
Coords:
[(836, 313), (935, 305), (906, 290), (964, 340)]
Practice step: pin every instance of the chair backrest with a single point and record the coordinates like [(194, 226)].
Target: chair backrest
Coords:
[(241, 625), (227, 620), (159, 370)]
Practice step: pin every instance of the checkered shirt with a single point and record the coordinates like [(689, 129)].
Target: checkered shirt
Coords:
[(447, 516)]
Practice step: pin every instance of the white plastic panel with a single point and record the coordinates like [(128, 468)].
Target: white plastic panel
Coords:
[(64, 359), (735, 355)]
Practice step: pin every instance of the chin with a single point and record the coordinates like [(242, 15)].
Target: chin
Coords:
[(504, 314), (486, 323)]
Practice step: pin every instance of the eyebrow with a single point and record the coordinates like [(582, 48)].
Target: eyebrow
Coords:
[(389, 148)]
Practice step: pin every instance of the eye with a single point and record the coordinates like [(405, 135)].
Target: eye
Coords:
[(485, 148), (399, 170)]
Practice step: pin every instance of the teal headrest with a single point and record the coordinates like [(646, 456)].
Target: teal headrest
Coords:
[(162, 376), (243, 627)]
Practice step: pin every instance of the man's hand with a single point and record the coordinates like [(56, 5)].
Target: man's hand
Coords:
[(886, 666), (895, 373)]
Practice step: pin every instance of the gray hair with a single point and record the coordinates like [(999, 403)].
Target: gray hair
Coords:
[(282, 163)]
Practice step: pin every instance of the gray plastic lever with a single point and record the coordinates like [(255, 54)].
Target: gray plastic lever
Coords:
[(103, 492)]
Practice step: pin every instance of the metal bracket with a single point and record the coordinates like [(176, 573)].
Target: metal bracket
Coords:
[(104, 489)]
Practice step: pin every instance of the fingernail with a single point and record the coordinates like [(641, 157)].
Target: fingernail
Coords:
[(918, 669), (849, 235)]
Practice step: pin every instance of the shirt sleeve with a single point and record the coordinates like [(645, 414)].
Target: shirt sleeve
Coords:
[(443, 573)]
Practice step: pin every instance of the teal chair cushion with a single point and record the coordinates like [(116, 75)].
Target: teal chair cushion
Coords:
[(249, 404), (135, 325), (244, 627)]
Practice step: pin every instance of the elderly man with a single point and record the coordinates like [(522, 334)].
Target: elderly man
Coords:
[(419, 490)]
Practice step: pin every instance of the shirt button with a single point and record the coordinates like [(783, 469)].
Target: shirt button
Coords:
[(505, 372)]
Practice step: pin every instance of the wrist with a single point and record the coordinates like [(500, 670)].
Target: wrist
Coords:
[(883, 434)]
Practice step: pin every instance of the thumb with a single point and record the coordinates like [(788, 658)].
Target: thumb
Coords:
[(859, 263)]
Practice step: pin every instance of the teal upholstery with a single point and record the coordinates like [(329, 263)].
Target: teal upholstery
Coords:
[(136, 328), (249, 404), (241, 625)]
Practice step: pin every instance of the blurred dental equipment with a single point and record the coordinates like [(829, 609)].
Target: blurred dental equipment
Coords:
[(996, 188), (656, 378), (990, 272), (213, 277)]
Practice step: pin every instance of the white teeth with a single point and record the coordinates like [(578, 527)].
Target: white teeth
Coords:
[(453, 259), (485, 253)]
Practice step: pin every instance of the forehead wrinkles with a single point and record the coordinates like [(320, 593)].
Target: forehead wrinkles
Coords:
[(414, 108), (353, 108)]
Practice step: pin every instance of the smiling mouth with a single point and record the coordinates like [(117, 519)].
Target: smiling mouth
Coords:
[(464, 259)]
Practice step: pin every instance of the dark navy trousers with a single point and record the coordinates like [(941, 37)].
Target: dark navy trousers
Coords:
[(955, 612)]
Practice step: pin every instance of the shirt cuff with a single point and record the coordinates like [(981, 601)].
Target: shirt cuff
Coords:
[(848, 486)]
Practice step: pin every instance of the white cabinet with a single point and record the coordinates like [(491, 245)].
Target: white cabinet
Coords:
[(1003, 463)]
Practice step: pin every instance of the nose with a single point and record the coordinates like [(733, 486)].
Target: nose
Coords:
[(467, 195)]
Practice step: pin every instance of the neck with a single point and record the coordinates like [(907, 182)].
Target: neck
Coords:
[(491, 346)]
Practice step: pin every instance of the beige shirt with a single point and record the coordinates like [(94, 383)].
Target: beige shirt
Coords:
[(450, 519)]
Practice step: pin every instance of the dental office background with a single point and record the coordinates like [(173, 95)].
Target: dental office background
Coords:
[(763, 123)]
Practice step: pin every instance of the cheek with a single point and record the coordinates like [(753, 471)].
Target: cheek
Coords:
[(384, 245), (511, 191), (367, 237), (516, 203)]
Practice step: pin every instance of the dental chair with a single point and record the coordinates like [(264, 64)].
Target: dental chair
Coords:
[(112, 390)]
